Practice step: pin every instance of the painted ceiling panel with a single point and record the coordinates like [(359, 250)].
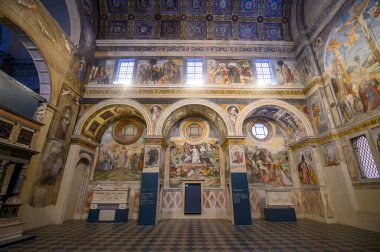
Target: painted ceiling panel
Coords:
[(251, 20)]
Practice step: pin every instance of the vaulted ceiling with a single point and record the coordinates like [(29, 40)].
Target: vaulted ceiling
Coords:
[(251, 20)]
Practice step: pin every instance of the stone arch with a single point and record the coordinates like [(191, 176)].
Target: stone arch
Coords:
[(75, 22), (97, 109), (35, 21), (271, 102), (186, 102)]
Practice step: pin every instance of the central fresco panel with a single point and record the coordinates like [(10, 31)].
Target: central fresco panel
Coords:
[(195, 19)]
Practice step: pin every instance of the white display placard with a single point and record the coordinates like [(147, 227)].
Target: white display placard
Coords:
[(278, 198)]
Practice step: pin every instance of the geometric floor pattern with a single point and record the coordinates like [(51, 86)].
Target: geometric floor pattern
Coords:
[(200, 235)]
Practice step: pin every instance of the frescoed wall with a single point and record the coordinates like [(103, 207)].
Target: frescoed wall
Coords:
[(318, 114), (215, 71), (306, 167), (46, 189), (226, 72), (118, 161), (159, 71), (194, 153), (267, 159), (287, 72), (352, 57), (102, 72)]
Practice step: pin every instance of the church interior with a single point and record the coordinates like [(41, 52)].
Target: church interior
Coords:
[(137, 120)]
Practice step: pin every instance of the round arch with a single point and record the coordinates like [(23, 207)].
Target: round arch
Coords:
[(268, 102), (94, 110), (186, 102)]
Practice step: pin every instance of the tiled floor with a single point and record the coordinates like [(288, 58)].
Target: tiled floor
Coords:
[(200, 235)]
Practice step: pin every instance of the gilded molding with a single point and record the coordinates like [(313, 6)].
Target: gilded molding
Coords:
[(334, 135), (185, 91), (84, 143), (312, 84), (232, 141), (156, 141)]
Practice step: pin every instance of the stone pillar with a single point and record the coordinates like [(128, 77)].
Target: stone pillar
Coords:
[(154, 157), (77, 145), (235, 155)]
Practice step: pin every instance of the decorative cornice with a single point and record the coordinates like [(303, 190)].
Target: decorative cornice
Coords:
[(186, 92), (233, 140), (312, 141), (156, 140), (314, 82), (81, 141), (193, 48)]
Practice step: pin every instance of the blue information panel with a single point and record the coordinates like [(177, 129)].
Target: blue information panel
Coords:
[(148, 199), (240, 197)]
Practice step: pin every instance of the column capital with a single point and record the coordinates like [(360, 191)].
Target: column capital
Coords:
[(233, 140)]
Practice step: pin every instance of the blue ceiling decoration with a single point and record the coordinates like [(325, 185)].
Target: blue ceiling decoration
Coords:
[(222, 7), (273, 8), (252, 20), (248, 31), (170, 7), (144, 29), (248, 8)]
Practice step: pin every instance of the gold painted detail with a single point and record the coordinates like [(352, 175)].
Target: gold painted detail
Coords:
[(73, 82), (188, 91), (232, 141), (84, 143), (156, 141), (45, 31), (335, 135), (316, 81)]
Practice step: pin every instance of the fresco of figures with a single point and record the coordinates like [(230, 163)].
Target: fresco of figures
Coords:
[(117, 162), (292, 124), (45, 191), (159, 71), (352, 57), (267, 161), (227, 72), (286, 72), (199, 161), (102, 72), (375, 133), (306, 167), (330, 154), (318, 113)]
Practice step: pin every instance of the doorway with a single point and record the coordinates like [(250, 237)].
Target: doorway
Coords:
[(193, 198)]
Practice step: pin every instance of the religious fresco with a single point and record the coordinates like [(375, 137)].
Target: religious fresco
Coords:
[(45, 191), (352, 58), (286, 72), (119, 162), (375, 134), (159, 71), (188, 19), (155, 112), (318, 114), (306, 167), (267, 161), (194, 160), (330, 154), (305, 68), (291, 123), (227, 72), (350, 163), (102, 72)]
